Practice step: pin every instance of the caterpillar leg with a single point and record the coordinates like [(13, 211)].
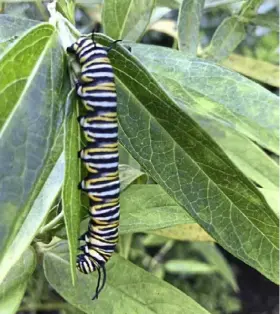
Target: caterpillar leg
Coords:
[(84, 237)]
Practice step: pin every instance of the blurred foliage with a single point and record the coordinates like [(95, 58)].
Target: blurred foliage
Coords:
[(266, 48)]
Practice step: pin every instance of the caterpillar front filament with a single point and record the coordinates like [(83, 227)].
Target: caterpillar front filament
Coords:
[(97, 91)]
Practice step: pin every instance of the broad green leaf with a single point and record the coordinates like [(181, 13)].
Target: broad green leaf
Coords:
[(191, 167), (11, 27), (259, 70), (23, 9), (147, 207), (32, 96), (34, 219), (188, 25), (9, 304), (226, 38), (188, 267), (129, 175), (71, 196), (119, 294), (213, 256), (226, 3), (126, 19), (185, 232), (243, 152), (215, 92), (175, 4), (270, 20), (13, 287), (247, 156)]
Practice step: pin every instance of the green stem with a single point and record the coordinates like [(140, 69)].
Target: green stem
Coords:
[(157, 259), (42, 9), (52, 223)]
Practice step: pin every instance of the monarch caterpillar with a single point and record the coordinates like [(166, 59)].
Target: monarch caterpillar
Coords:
[(97, 91)]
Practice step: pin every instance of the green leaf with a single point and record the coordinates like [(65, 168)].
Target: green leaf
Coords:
[(129, 289), (225, 3), (67, 9), (212, 255), (11, 27), (173, 4), (10, 303), (244, 153), (250, 8), (147, 207), (129, 175), (188, 25), (247, 156), (191, 167), (126, 158), (184, 232), (226, 38), (14, 285), (272, 198), (20, 271), (32, 94), (71, 195), (215, 92), (259, 70), (188, 267), (270, 20), (126, 19), (35, 218)]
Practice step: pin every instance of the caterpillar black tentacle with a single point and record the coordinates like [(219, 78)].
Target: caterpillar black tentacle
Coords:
[(97, 92)]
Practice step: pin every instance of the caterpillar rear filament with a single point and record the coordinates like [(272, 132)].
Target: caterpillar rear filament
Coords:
[(97, 91)]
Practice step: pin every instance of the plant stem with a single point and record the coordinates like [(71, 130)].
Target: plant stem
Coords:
[(52, 223), (161, 253), (42, 9)]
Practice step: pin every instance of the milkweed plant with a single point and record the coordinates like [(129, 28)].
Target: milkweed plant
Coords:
[(198, 143)]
